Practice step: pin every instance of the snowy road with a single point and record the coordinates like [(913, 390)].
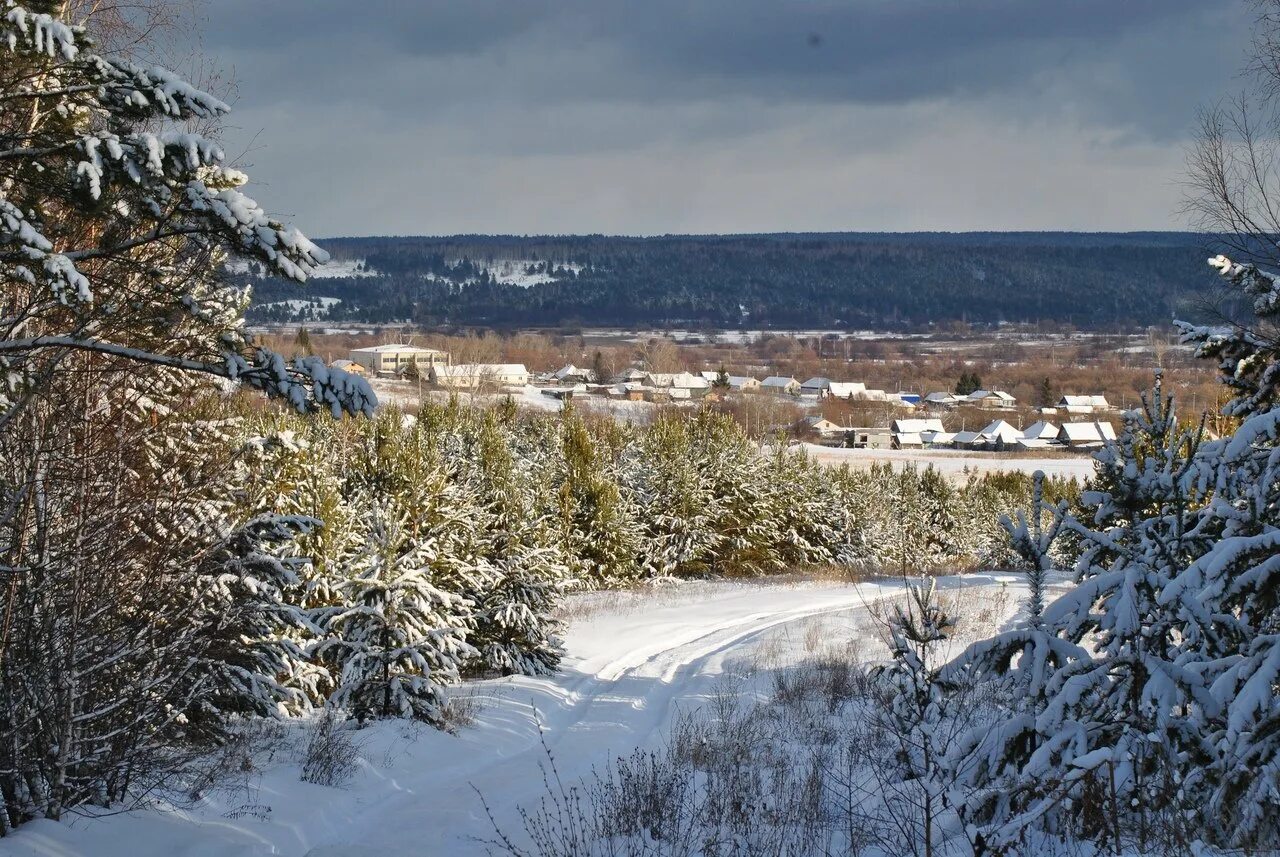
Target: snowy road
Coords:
[(635, 660)]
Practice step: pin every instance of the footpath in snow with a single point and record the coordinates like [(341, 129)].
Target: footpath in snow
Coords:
[(635, 660)]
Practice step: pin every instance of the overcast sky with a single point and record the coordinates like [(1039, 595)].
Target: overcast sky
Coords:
[(553, 116)]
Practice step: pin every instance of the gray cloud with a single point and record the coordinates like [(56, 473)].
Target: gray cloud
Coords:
[(719, 115)]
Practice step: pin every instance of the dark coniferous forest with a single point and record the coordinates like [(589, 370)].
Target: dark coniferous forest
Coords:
[(832, 280)]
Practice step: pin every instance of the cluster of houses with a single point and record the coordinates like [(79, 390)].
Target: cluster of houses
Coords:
[(633, 384), (999, 435)]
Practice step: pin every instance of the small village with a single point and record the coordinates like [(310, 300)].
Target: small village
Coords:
[(908, 420)]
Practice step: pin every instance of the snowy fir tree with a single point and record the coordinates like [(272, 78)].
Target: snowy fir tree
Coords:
[(515, 632), (912, 722), (1105, 713), (396, 638)]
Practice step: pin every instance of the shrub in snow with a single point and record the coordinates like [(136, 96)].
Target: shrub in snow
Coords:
[(331, 756)]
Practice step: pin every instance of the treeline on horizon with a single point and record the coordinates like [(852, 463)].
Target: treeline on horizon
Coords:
[(891, 281)]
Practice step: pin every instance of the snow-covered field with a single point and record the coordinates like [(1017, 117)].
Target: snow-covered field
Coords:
[(635, 661), (956, 463)]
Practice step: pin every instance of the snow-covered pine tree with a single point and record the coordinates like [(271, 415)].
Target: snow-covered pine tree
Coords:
[(515, 631), (240, 598), (914, 785), (1230, 596), (1104, 717), (396, 638), (597, 524), (746, 509), (674, 500), (115, 223)]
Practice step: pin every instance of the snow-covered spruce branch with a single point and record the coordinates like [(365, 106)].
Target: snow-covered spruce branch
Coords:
[(305, 382)]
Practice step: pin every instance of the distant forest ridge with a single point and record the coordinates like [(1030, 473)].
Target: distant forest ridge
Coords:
[(842, 280)]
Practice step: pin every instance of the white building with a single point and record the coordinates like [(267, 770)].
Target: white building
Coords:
[(916, 426), (1086, 435), (394, 359), (1000, 433), (475, 376), (1041, 430), (678, 381), (847, 390), (1083, 404)]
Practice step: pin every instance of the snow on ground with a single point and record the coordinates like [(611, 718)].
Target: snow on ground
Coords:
[(514, 272), (320, 305), (955, 463), (343, 268), (634, 662)]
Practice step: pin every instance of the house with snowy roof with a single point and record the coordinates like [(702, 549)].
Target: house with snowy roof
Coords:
[(995, 399), (780, 385), (937, 438), (1083, 404), (571, 374), (1041, 430), (942, 400), (737, 383), (916, 426), (1087, 435), (847, 390), (826, 388), (678, 381), (820, 426), (1000, 434)]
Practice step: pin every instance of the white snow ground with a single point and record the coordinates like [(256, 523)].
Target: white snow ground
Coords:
[(634, 660), (956, 463)]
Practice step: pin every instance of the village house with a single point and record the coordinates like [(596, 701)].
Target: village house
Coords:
[(847, 390), (1000, 434), (869, 438), (820, 426), (937, 438), (388, 360), (993, 399), (475, 376), (908, 440), (1039, 435), (679, 385), (737, 383), (628, 391), (1083, 404), (781, 386), (824, 387), (942, 400), (571, 374), (916, 426), (349, 366), (1087, 435)]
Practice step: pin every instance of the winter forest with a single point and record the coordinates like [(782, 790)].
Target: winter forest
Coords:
[(236, 586)]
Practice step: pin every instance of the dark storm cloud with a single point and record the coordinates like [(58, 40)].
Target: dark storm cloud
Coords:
[(510, 116)]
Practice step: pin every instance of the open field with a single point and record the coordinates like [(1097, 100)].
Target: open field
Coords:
[(957, 464)]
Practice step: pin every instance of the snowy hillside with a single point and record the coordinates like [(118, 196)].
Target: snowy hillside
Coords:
[(636, 661)]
